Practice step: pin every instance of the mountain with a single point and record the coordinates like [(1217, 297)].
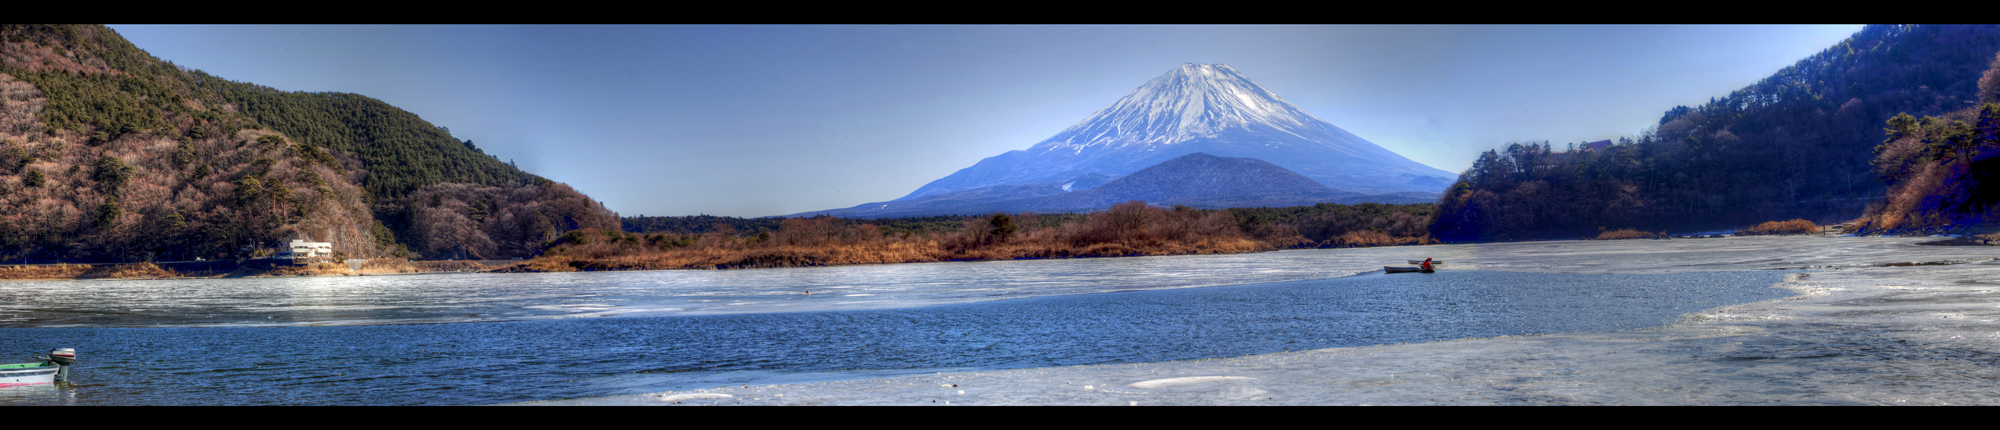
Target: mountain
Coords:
[(1796, 144), (1197, 108), (110, 154), (1197, 180)]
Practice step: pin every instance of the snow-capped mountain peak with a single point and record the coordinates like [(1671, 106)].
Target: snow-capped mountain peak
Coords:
[(1188, 102)]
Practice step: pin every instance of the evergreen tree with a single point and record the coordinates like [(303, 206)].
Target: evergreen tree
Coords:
[(1003, 227), (109, 213)]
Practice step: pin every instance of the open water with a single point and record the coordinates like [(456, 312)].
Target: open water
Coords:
[(128, 361)]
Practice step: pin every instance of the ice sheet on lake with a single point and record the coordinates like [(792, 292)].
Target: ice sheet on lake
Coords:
[(1858, 332), (404, 299)]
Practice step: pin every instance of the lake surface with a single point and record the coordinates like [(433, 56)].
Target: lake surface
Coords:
[(193, 362), (455, 298)]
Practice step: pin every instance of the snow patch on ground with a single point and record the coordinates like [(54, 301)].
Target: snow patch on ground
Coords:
[(694, 396), (1168, 382)]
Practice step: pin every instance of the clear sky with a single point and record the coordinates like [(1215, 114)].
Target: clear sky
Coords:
[(770, 120)]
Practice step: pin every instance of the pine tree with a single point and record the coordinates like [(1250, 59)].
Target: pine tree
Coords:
[(1003, 227), (108, 216)]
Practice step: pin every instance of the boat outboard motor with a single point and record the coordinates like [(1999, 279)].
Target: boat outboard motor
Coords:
[(63, 357)]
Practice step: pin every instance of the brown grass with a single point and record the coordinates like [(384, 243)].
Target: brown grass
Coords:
[(1796, 226), (448, 266), (85, 271), (1628, 234), (45, 271), (1131, 229), (1368, 238), (132, 271), (377, 266), (321, 269)]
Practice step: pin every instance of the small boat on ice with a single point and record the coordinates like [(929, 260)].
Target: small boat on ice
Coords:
[(53, 368), (1402, 269)]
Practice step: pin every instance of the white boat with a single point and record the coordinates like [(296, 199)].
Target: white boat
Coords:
[(54, 368), (1433, 262), (15, 375)]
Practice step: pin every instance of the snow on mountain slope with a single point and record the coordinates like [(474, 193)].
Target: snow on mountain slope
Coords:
[(1207, 108)]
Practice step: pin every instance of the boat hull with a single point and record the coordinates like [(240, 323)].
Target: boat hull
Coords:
[(23, 376), (1395, 269)]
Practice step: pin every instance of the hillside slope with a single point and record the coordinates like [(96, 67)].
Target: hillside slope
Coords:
[(444, 197), (1794, 145), (110, 154), (1942, 172)]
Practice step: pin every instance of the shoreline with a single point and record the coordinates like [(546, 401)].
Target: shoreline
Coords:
[(149, 271), (521, 265), (1860, 331)]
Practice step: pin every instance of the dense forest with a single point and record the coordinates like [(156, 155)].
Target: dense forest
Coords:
[(1797, 144), (1941, 171), (110, 154)]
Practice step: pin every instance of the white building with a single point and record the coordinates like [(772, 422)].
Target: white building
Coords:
[(304, 249)]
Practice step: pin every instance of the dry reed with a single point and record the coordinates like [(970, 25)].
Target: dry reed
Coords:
[(1628, 234), (387, 265), (1131, 229), (320, 269), (449, 266), (1796, 226), (85, 271)]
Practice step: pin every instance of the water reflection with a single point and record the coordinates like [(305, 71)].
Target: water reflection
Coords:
[(46, 394)]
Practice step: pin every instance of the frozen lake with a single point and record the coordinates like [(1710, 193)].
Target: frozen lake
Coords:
[(535, 337), (492, 362), (455, 298), (1877, 321)]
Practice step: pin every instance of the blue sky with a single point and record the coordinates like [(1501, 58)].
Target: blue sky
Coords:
[(769, 120)]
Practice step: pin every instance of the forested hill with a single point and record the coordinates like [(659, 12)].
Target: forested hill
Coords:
[(1942, 172), (1795, 144), (110, 154), (402, 152)]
